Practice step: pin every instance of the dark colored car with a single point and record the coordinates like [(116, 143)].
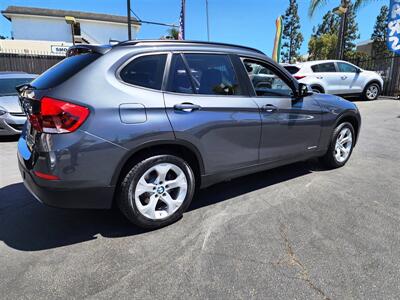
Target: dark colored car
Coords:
[(143, 123)]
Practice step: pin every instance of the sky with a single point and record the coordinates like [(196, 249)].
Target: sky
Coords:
[(244, 22)]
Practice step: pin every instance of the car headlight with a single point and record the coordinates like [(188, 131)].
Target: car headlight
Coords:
[(3, 111)]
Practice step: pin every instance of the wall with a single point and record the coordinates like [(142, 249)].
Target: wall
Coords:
[(56, 29), (40, 28)]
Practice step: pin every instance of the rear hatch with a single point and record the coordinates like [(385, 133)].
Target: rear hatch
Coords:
[(49, 115)]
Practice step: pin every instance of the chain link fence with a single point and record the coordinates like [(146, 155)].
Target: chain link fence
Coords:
[(388, 68), (33, 62)]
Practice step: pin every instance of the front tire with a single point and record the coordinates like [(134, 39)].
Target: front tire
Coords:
[(340, 147), (156, 191), (371, 92)]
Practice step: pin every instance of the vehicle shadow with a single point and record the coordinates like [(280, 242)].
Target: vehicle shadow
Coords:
[(9, 138), (27, 225)]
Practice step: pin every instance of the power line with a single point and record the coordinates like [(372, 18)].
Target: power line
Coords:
[(153, 23)]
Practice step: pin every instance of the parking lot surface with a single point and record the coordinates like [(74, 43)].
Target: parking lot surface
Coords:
[(296, 232)]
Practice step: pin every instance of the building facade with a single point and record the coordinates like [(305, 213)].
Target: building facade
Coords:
[(51, 25)]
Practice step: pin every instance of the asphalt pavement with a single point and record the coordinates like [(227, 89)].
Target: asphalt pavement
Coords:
[(296, 232)]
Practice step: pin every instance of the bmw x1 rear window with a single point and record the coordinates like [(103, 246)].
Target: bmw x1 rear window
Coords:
[(64, 70)]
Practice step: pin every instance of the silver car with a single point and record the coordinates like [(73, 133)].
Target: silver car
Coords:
[(12, 118)]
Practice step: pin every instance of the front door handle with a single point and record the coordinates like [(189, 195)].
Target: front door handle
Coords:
[(269, 108), (344, 77), (187, 107)]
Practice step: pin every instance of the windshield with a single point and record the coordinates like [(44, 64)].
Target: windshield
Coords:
[(7, 85)]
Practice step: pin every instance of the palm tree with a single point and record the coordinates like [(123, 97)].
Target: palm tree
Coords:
[(314, 4)]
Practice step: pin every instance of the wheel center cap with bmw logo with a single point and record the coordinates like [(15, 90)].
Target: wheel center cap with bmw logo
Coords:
[(160, 189)]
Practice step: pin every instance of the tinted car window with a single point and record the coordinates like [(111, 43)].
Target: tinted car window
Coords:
[(64, 70), (343, 67), (326, 67), (265, 81), (146, 71), (179, 78), (292, 69), (7, 85), (213, 74)]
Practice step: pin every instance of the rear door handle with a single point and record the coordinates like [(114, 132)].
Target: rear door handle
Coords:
[(187, 107), (269, 108), (344, 77)]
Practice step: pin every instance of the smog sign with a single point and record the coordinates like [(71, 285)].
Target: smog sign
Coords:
[(59, 49), (393, 30)]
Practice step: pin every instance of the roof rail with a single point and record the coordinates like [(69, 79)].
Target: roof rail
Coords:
[(188, 42)]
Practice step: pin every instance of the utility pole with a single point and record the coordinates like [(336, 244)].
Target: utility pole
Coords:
[(208, 22), (342, 12), (128, 7)]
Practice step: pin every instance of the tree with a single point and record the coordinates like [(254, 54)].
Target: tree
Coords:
[(350, 31), (327, 32), (314, 4), (378, 37), (173, 32), (322, 47), (330, 24), (291, 36)]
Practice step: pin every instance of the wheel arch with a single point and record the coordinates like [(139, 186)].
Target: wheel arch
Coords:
[(353, 119), (318, 86), (182, 148), (374, 81)]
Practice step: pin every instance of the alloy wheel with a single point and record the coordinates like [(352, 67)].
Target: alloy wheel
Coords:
[(344, 142), (161, 191), (372, 92)]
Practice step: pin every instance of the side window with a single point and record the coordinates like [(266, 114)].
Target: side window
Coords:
[(346, 68), (146, 71), (179, 81), (324, 68), (265, 81), (213, 74)]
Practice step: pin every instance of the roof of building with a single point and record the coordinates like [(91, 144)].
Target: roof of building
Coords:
[(34, 11)]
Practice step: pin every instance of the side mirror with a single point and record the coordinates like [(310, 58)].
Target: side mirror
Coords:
[(358, 70), (302, 91)]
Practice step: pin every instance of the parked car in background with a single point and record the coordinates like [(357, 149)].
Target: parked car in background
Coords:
[(12, 118), (142, 124), (337, 77)]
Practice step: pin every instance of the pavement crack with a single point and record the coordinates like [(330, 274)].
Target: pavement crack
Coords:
[(290, 259)]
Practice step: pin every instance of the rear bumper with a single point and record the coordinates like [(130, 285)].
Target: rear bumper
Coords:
[(95, 198)]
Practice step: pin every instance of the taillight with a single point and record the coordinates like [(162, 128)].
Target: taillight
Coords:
[(57, 116), (298, 77)]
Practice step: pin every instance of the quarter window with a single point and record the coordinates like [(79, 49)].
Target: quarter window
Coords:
[(265, 82), (346, 68), (324, 68), (146, 71), (210, 74)]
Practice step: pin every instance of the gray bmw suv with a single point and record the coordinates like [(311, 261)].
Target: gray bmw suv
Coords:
[(142, 124)]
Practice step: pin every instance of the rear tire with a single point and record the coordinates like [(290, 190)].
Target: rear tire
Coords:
[(371, 92), (156, 191), (340, 147)]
